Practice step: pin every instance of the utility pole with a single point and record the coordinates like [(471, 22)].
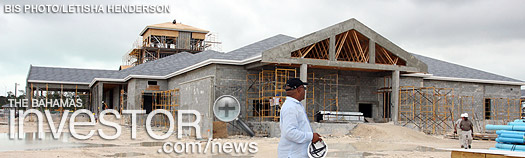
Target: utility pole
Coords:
[(16, 84), (16, 108)]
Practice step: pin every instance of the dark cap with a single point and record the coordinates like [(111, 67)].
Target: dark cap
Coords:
[(293, 83)]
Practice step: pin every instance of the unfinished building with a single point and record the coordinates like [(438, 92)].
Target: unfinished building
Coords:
[(353, 72)]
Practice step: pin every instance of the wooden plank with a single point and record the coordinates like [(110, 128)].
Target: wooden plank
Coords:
[(388, 56), (367, 56), (358, 45), (455, 154), (495, 156), (484, 153), (196, 35), (472, 155), (355, 51), (170, 33), (341, 45), (308, 51), (220, 129), (350, 55), (381, 56), (323, 48)]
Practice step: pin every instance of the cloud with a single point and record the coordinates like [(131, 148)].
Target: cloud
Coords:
[(482, 34)]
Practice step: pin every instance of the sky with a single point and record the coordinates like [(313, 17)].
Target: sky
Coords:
[(483, 34)]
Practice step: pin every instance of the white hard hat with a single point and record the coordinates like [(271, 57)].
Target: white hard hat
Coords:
[(317, 150), (464, 115)]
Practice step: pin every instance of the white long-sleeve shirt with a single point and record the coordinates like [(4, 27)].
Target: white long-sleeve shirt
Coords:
[(296, 132)]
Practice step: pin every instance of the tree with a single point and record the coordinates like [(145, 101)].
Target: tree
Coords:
[(22, 94), (3, 100)]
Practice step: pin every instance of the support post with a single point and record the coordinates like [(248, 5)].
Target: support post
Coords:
[(303, 76), (395, 96), (98, 105), (371, 52), (331, 49)]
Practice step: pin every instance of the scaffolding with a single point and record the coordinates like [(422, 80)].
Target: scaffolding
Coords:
[(386, 92), (57, 91), (467, 105), (310, 97), (445, 108), (330, 93), (407, 103), (434, 110), (266, 93), (428, 108), (502, 110), (161, 40), (168, 100)]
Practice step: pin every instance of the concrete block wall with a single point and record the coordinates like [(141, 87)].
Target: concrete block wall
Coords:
[(135, 89), (208, 70), (231, 80), (353, 88), (197, 93), (411, 81), (479, 91)]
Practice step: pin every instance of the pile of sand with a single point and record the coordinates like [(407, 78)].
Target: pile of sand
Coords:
[(387, 132)]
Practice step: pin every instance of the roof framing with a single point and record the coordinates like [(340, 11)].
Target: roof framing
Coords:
[(349, 44)]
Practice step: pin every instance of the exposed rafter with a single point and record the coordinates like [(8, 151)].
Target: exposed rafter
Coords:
[(317, 50), (384, 56), (352, 46)]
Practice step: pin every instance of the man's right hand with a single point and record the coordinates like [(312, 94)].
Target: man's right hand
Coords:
[(316, 138)]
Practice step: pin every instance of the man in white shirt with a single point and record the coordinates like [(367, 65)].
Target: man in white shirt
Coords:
[(296, 132), (466, 134)]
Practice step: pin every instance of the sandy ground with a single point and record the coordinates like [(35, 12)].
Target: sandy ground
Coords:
[(366, 140)]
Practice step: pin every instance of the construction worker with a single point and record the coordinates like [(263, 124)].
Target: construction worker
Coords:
[(466, 134), (296, 133)]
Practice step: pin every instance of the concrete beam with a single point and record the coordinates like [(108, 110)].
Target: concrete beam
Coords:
[(54, 87), (255, 65), (372, 52), (273, 55), (346, 64), (395, 96)]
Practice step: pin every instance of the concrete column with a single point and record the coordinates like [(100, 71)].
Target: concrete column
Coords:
[(372, 52), (100, 97), (304, 77), (331, 50), (395, 96)]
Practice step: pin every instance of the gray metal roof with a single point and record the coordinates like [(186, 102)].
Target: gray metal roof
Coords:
[(67, 74), (173, 63), (445, 69), (160, 67)]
